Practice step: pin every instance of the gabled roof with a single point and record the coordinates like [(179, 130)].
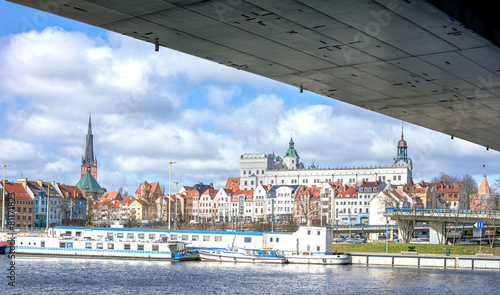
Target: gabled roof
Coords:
[(17, 189), (154, 186), (88, 184), (304, 190), (143, 203), (344, 191), (69, 190), (233, 183)]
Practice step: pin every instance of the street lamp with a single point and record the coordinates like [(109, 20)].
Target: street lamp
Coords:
[(48, 205), (350, 222), (3, 199), (169, 193)]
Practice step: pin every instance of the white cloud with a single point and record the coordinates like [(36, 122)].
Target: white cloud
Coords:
[(150, 108)]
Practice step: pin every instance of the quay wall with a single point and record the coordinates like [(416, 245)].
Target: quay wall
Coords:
[(426, 260)]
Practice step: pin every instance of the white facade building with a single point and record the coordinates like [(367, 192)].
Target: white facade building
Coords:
[(268, 169)]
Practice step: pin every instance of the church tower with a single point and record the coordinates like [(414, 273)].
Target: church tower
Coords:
[(89, 162)]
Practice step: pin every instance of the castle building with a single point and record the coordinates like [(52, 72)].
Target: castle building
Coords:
[(89, 162), (265, 169)]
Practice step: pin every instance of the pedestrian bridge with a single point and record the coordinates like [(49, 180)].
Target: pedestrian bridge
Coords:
[(489, 217), (439, 220)]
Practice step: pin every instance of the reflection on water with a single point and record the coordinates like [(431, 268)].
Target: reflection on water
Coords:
[(86, 276)]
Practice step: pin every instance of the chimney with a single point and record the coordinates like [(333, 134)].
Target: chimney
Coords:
[(23, 181)]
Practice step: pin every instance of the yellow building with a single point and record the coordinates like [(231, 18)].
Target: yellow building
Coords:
[(137, 210)]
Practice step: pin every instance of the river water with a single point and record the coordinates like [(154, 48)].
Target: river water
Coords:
[(94, 276)]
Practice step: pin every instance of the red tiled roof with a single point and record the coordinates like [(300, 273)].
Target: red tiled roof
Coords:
[(18, 190)]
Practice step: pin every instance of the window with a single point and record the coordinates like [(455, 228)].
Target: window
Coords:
[(248, 239), (319, 233), (62, 245), (218, 238), (317, 248), (206, 238), (140, 236), (88, 245), (156, 247), (111, 246), (195, 238), (277, 240), (152, 236), (99, 245), (140, 247), (119, 235), (126, 247), (42, 244), (130, 236), (185, 237)]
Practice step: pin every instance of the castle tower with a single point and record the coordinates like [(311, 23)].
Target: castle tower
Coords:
[(89, 162), (291, 158), (402, 149)]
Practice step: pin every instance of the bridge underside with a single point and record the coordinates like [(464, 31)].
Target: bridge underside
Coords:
[(404, 59)]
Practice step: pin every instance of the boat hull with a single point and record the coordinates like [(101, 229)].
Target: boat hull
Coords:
[(238, 258), (43, 246), (333, 259)]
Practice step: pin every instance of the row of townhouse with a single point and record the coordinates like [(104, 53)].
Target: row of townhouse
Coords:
[(40, 202), (332, 203)]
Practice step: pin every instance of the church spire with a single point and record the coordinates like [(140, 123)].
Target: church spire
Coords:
[(89, 162)]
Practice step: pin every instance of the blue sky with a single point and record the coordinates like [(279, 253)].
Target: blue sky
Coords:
[(150, 108)]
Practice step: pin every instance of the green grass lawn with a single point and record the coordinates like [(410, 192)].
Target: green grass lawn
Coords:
[(420, 248)]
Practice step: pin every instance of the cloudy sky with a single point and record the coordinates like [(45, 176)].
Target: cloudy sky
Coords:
[(149, 108)]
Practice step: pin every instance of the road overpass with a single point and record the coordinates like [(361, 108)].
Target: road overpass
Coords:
[(432, 63), (441, 219)]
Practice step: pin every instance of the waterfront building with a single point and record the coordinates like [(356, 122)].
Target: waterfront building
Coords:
[(347, 205), (124, 208), (56, 203), (367, 191), (222, 204), (484, 199), (328, 193), (389, 197), (242, 205), (137, 210), (261, 168), (280, 202), (24, 206), (207, 211), (149, 192), (192, 201), (89, 161), (75, 204), (448, 196), (307, 206), (259, 203), (39, 196)]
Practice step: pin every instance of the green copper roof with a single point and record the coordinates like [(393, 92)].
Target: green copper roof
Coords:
[(88, 184), (291, 152)]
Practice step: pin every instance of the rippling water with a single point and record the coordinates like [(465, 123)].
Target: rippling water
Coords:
[(93, 276)]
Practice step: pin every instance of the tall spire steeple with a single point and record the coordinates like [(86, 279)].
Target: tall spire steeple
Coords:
[(88, 162)]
